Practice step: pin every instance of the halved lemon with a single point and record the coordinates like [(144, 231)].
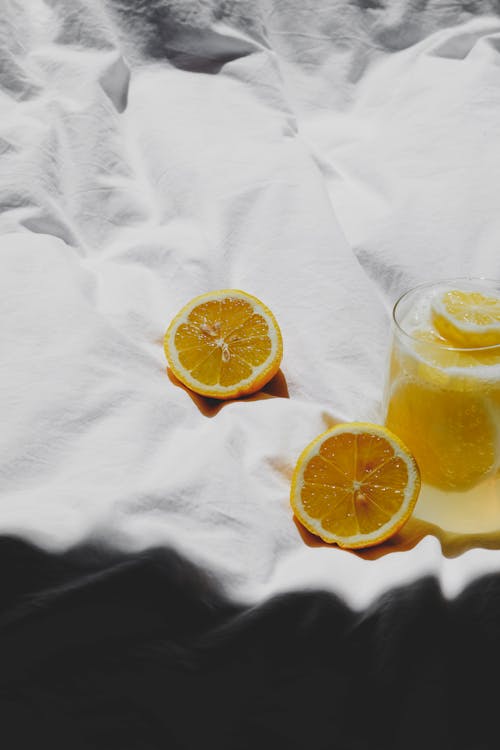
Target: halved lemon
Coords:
[(355, 485), (467, 318), (224, 344)]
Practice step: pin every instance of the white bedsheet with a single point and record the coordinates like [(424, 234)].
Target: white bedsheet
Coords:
[(322, 156)]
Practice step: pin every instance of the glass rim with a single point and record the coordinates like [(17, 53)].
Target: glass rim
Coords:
[(437, 282)]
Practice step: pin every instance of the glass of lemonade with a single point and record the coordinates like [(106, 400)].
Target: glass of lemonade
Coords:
[(442, 398)]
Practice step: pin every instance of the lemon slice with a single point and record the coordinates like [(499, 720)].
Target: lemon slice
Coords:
[(467, 319), (355, 485), (224, 344)]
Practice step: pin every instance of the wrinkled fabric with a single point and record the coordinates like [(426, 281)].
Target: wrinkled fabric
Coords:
[(322, 156), (141, 652)]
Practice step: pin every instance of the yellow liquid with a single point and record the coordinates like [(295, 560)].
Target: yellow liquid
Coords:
[(444, 403)]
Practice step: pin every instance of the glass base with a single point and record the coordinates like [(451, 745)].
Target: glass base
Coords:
[(476, 511)]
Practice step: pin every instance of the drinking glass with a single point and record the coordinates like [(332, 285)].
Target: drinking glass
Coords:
[(443, 401)]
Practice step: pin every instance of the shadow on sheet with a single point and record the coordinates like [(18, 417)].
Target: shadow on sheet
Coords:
[(276, 388)]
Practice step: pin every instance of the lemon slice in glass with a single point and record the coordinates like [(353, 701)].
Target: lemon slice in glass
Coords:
[(467, 318)]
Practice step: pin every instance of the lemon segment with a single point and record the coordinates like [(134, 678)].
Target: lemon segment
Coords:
[(467, 319), (224, 344), (355, 485)]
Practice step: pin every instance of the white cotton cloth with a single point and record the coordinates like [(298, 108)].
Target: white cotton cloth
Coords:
[(149, 152)]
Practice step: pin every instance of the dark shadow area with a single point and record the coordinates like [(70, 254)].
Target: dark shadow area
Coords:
[(209, 407), (103, 650), (193, 62), (189, 38)]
